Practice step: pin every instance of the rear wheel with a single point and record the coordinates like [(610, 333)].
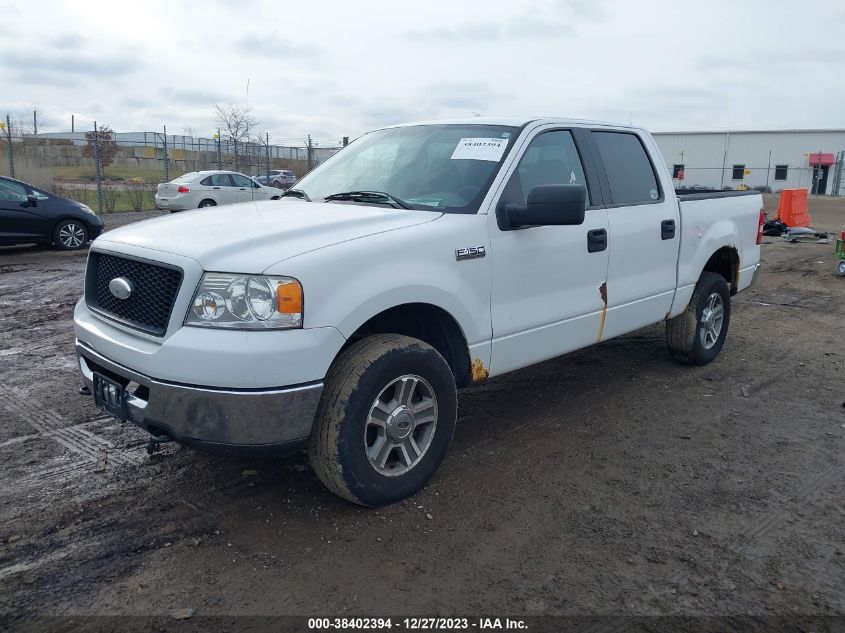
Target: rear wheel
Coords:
[(842, 267), (207, 203), (696, 336), (70, 235), (385, 420)]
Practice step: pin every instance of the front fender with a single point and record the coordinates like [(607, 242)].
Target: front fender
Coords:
[(348, 283)]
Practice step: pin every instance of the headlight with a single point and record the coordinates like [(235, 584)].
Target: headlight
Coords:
[(252, 302), (87, 209)]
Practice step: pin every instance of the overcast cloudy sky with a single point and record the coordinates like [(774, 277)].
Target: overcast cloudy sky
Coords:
[(334, 67)]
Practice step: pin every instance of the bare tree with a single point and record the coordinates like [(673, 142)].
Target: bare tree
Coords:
[(237, 121)]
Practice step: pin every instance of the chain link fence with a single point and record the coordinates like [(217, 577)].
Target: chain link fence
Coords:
[(119, 170)]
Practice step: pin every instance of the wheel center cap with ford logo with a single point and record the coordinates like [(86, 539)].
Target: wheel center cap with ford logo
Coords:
[(121, 287)]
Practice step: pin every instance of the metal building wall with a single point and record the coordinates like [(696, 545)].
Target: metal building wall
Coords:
[(705, 153)]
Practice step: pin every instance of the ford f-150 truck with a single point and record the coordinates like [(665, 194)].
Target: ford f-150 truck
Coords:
[(420, 259)]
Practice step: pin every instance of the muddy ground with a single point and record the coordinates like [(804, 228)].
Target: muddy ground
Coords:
[(609, 481)]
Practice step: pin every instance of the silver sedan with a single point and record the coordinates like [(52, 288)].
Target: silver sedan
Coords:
[(199, 189)]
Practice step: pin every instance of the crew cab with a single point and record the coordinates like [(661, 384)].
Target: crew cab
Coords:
[(420, 259)]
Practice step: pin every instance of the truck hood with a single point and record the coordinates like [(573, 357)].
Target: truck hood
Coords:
[(252, 236)]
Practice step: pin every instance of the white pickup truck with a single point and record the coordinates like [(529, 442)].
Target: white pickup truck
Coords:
[(420, 259)]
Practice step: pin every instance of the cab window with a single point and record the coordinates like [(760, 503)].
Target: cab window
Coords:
[(629, 171), (551, 159)]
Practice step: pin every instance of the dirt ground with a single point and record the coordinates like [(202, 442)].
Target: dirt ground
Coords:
[(609, 481)]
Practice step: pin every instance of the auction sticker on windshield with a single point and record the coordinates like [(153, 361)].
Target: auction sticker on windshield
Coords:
[(480, 149)]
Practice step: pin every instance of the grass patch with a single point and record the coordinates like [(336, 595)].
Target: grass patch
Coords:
[(119, 199)]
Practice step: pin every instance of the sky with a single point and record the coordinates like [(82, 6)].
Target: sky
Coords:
[(334, 68)]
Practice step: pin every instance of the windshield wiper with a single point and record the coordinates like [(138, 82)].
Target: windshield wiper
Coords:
[(371, 196), (296, 193)]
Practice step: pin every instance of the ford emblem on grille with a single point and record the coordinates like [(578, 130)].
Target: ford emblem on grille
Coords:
[(121, 287)]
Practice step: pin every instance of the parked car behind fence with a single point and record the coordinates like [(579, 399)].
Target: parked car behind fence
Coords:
[(200, 189)]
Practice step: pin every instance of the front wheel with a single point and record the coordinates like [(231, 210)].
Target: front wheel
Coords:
[(385, 420), (842, 267), (696, 336), (70, 235)]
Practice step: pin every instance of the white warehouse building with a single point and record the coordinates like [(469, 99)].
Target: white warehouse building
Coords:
[(778, 159)]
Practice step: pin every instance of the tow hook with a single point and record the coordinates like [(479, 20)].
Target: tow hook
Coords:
[(84, 391), (156, 441)]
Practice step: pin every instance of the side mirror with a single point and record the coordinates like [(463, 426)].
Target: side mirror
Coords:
[(549, 205), (31, 201)]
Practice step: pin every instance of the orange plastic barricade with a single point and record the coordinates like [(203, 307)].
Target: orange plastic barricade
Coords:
[(792, 209)]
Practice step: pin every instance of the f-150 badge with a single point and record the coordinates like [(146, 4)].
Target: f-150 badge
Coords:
[(473, 252)]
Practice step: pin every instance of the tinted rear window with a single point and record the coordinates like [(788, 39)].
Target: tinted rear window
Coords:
[(631, 176)]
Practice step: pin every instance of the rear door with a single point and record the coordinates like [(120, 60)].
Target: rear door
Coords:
[(19, 221), (223, 189), (643, 231), (548, 281)]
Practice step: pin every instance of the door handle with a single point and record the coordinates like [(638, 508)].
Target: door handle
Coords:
[(242, 189), (215, 187), (596, 240), (667, 229)]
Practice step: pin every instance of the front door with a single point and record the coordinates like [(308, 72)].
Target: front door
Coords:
[(643, 233), (548, 281), (820, 180), (243, 187), (19, 220)]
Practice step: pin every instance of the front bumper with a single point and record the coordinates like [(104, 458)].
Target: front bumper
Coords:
[(225, 419), (95, 230)]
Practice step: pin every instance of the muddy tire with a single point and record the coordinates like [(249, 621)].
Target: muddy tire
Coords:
[(696, 336), (385, 420)]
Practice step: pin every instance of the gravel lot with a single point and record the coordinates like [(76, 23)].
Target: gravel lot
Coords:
[(610, 481)]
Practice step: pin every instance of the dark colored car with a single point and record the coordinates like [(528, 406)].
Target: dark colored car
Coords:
[(29, 215), (285, 179), (279, 178)]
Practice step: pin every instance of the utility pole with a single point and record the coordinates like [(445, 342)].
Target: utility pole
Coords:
[(310, 160), (9, 147), (97, 170), (73, 125), (267, 147), (35, 122), (166, 160), (219, 157), (768, 169)]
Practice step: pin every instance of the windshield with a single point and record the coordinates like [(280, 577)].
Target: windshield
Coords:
[(436, 167)]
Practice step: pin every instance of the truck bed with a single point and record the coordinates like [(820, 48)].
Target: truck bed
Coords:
[(705, 194)]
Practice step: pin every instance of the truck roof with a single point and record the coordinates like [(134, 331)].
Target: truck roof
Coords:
[(516, 122)]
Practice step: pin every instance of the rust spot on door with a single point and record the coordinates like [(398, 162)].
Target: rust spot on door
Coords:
[(603, 294), (479, 371)]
